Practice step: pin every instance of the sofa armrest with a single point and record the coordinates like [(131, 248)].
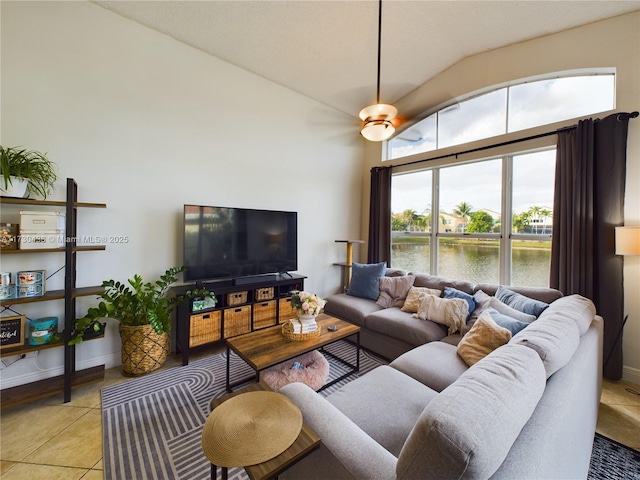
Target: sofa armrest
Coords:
[(360, 454)]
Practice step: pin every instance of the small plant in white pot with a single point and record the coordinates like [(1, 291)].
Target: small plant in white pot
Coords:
[(26, 172)]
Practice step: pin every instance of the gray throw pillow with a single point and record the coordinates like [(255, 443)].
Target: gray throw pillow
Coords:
[(365, 280), (505, 321), (450, 292), (520, 302)]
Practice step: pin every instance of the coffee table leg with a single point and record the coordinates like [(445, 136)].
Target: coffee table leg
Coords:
[(358, 352), (228, 369)]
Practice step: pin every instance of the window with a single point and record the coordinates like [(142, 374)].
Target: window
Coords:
[(471, 231), (504, 110), (411, 222)]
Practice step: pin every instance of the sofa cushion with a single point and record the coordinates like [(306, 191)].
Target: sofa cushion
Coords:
[(468, 429), (452, 312), (554, 337), (352, 309), (432, 281), (415, 296), (505, 321), (580, 309), (483, 338), (397, 398), (365, 280), (395, 323), (546, 295), (521, 302), (394, 290), (435, 364)]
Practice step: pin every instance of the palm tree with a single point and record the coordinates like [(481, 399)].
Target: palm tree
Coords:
[(546, 213), (535, 213), (463, 210), (409, 216)]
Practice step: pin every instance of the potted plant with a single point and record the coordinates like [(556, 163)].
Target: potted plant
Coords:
[(25, 172), (144, 312)]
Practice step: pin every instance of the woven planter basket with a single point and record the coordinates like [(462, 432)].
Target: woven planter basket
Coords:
[(143, 350)]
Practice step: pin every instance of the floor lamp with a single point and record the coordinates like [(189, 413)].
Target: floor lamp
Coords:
[(627, 243)]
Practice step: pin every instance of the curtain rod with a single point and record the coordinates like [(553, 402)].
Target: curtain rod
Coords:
[(510, 142)]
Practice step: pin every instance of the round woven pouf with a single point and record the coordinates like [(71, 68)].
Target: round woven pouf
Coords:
[(250, 428)]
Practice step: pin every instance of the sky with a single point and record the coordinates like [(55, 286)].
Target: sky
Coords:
[(529, 104)]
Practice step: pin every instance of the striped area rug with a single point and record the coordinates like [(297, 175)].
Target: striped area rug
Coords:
[(152, 425)]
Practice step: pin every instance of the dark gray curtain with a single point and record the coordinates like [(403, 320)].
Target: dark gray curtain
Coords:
[(588, 204), (379, 249)]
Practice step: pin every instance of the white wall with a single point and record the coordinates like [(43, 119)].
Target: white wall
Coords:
[(146, 124), (609, 43)]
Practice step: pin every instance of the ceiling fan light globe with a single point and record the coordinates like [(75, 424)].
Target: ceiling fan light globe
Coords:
[(377, 130), (380, 111)]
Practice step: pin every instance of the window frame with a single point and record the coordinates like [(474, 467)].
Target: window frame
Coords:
[(435, 111), (506, 236)]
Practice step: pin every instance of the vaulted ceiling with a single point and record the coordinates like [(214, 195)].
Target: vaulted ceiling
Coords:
[(327, 50)]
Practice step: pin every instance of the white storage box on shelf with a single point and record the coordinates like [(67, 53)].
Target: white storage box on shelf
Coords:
[(39, 230)]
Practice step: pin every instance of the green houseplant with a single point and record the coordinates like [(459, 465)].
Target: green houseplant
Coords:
[(19, 165), (144, 312)]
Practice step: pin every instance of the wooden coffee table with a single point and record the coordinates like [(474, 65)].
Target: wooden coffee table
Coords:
[(265, 348)]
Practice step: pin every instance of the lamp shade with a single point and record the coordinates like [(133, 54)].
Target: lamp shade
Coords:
[(377, 122), (628, 240)]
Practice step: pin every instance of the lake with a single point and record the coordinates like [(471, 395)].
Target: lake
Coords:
[(476, 263)]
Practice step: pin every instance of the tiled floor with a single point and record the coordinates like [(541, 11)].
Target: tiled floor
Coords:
[(52, 440)]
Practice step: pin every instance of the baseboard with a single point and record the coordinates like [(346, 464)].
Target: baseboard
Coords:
[(630, 374), (109, 361)]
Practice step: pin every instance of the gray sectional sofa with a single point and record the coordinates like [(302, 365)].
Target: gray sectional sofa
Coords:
[(390, 332), (528, 409)]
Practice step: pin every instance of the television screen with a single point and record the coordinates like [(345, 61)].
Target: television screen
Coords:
[(222, 242)]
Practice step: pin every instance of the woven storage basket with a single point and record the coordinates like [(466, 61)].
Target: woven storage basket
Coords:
[(264, 293), (287, 332), (143, 350), (204, 328), (237, 298), (264, 314), (237, 321), (285, 310)]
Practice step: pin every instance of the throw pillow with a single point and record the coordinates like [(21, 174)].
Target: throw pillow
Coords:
[(393, 290), (505, 321), (483, 338), (450, 292), (365, 280), (414, 297), (451, 312), (520, 302), (512, 312), (482, 303)]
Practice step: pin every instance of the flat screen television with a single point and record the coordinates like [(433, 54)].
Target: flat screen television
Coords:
[(230, 243)]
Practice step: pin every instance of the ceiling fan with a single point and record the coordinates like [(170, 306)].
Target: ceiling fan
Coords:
[(377, 119)]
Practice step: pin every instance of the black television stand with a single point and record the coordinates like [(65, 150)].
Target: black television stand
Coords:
[(269, 277), (243, 304)]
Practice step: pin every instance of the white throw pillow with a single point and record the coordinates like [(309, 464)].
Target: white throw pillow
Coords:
[(415, 296), (451, 312)]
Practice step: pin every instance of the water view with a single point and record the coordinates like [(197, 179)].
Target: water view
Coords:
[(477, 263)]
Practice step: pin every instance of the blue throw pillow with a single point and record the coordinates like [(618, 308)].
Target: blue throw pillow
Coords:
[(520, 302), (365, 280), (450, 292), (505, 321)]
